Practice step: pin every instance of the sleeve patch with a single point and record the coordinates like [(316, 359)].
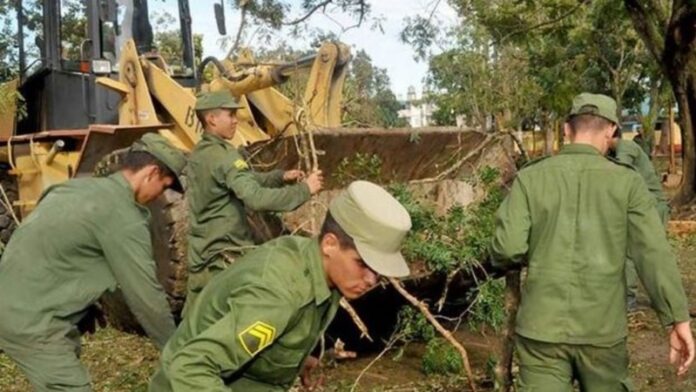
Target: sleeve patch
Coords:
[(241, 164), (257, 337)]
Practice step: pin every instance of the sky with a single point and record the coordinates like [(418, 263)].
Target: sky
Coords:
[(385, 49)]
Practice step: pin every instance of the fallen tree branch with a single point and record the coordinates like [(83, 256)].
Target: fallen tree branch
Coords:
[(441, 302), (364, 333), (457, 165), (442, 330)]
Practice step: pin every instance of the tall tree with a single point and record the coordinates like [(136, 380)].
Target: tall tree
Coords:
[(668, 29)]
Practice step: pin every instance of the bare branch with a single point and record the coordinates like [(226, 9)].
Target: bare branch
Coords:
[(237, 39), (308, 14)]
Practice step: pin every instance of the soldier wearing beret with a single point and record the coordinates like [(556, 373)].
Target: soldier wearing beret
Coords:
[(573, 218), (254, 326), (221, 185), (86, 236)]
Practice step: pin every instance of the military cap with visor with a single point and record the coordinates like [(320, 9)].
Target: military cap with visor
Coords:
[(595, 104), (173, 158), (222, 99), (377, 223)]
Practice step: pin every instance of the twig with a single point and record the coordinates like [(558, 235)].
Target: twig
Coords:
[(392, 341), (444, 332), (364, 333), (441, 302), (8, 204)]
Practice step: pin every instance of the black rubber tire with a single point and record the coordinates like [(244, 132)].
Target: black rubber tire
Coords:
[(7, 219)]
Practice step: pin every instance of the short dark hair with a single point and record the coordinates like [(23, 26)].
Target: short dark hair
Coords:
[(202, 113), (588, 122), (136, 160), (331, 226)]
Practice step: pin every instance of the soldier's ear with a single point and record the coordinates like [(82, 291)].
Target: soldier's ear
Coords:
[(329, 244)]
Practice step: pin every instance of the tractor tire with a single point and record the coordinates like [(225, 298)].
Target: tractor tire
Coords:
[(168, 230), (8, 224)]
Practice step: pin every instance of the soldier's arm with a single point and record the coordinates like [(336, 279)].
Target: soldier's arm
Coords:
[(128, 249), (512, 225), (655, 263), (271, 179), (257, 316), (257, 197)]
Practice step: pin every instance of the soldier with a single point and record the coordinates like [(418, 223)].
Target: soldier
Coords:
[(630, 153), (573, 218), (86, 236), (256, 323), (220, 185)]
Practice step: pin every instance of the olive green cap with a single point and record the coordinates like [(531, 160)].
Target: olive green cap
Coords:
[(595, 104), (378, 224), (156, 145), (222, 99)]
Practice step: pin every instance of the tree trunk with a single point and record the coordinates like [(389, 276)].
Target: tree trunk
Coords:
[(647, 122), (686, 101), (671, 39), (548, 137)]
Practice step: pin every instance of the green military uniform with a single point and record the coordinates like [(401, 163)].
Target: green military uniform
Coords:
[(631, 153), (277, 294), (220, 186), (644, 144), (254, 324), (573, 218), (86, 236)]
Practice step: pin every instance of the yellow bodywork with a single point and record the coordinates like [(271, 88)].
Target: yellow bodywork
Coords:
[(35, 173), (151, 100)]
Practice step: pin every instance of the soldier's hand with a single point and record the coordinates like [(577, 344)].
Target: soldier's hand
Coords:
[(681, 347), (315, 182), (308, 382), (293, 175)]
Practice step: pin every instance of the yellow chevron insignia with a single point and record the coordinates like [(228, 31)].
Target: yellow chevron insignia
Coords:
[(257, 337), (241, 164)]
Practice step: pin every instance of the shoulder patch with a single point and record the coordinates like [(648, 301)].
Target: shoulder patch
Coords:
[(535, 161), (257, 337), (240, 164), (618, 162)]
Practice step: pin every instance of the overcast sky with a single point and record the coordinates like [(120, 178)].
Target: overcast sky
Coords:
[(385, 49)]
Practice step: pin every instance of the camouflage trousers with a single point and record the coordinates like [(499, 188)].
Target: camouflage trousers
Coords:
[(554, 367)]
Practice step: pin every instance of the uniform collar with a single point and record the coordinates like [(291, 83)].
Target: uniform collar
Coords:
[(207, 136), (120, 179), (312, 254), (580, 148)]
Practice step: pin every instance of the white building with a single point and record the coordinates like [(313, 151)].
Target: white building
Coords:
[(418, 112)]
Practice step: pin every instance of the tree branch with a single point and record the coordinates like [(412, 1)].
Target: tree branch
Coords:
[(237, 39), (545, 23), (650, 24), (308, 14), (444, 332)]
